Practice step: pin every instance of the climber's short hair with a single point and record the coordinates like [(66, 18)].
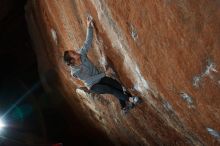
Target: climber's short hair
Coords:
[(67, 58)]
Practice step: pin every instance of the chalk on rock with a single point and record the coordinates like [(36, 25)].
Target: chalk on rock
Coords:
[(196, 81), (134, 33), (167, 106), (214, 133), (54, 35), (187, 98)]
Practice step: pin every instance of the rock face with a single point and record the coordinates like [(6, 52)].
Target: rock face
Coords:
[(166, 52)]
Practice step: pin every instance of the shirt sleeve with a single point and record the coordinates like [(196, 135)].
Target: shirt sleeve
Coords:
[(88, 42), (73, 71)]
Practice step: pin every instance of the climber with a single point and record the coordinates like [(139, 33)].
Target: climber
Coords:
[(97, 82)]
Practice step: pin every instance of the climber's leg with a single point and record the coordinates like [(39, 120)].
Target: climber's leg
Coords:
[(102, 89), (122, 103), (111, 82)]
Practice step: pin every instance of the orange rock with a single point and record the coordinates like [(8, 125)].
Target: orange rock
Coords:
[(167, 52)]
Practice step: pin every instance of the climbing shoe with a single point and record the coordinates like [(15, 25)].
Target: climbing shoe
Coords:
[(135, 100)]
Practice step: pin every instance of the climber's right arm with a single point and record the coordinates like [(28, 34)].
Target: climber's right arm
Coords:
[(89, 36)]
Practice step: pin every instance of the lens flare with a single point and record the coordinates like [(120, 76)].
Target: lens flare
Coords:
[(1, 124)]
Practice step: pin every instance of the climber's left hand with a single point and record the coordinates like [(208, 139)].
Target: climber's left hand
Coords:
[(109, 72)]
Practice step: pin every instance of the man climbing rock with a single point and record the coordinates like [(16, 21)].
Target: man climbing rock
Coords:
[(97, 82)]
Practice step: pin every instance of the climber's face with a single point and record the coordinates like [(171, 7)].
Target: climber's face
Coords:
[(75, 58), (71, 61), (72, 58)]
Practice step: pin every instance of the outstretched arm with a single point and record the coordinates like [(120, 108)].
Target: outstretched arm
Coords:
[(89, 36)]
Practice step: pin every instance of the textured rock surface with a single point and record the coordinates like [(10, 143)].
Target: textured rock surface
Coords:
[(166, 51)]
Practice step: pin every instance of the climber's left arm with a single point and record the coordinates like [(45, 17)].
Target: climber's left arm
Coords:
[(89, 36)]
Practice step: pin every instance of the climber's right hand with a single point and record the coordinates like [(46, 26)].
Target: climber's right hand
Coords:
[(90, 21)]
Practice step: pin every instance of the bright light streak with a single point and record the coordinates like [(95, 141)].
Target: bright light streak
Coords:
[(20, 99), (2, 124)]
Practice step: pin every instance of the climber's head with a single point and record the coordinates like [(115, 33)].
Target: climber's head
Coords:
[(71, 57)]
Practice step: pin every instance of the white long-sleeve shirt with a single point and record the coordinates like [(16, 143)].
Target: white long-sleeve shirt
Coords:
[(87, 72)]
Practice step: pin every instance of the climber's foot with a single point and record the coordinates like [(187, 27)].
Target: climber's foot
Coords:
[(132, 102), (135, 100)]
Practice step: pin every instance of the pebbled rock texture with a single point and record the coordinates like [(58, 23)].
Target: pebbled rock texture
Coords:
[(165, 51)]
